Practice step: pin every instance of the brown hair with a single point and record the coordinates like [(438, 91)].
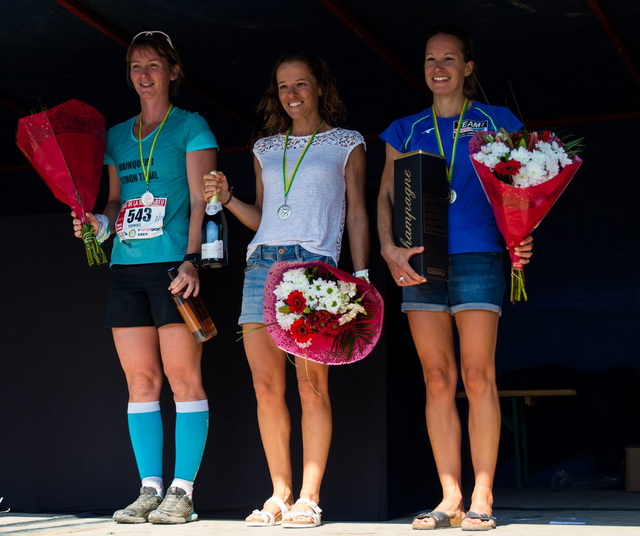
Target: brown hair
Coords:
[(330, 106), (161, 45), (469, 87)]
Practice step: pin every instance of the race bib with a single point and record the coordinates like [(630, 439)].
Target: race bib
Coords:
[(137, 221)]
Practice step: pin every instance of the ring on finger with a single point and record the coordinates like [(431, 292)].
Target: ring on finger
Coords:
[(401, 279)]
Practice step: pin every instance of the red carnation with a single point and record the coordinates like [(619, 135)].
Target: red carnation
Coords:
[(296, 302), (512, 167), (299, 331)]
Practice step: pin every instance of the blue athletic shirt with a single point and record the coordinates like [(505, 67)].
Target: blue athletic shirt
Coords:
[(183, 132), (472, 227)]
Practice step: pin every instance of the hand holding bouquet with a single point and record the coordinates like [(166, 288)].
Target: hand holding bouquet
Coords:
[(523, 174)]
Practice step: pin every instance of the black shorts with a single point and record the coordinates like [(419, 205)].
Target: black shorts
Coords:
[(139, 295)]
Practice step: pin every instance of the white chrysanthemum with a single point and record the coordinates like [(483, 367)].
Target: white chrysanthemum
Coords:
[(534, 170), (498, 149), (521, 155), (285, 319), (488, 160), (295, 275), (284, 288)]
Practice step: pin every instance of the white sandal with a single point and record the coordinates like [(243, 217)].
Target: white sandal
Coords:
[(268, 519), (296, 520)]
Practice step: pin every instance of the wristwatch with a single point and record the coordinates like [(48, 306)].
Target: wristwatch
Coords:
[(193, 258), (363, 274)]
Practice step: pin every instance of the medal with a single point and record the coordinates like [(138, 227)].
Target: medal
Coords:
[(284, 212), (146, 198), (452, 193)]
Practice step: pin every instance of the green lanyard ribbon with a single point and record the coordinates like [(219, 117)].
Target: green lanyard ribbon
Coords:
[(455, 138), (145, 171), (288, 183)]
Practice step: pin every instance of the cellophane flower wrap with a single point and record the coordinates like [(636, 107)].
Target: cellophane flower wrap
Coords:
[(319, 312), (523, 174), (66, 146)]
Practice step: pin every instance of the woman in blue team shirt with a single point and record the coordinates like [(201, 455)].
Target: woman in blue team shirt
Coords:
[(156, 161), (471, 297)]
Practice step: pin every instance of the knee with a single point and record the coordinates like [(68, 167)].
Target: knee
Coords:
[(477, 381), (439, 381), (186, 386), (268, 392), (314, 393), (144, 385)]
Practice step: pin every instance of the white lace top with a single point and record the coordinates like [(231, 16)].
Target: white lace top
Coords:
[(317, 196)]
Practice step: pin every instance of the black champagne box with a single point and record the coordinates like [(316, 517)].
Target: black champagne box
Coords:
[(421, 197)]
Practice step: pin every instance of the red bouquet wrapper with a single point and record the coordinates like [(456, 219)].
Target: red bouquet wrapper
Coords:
[(66, 146), (324, 348), (518, 211)]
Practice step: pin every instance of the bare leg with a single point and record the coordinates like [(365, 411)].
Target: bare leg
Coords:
[(433, 336), (478, 334), (267, 363), (313, 386), (181, 357), (139, 353)]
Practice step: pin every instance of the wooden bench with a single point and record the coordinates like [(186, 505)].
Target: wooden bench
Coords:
[(516, 422)]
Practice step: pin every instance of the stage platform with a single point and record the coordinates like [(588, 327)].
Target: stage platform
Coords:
[(533, 511)]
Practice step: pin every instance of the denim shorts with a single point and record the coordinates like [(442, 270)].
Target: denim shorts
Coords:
[(476, 281), (255, 276), (139, 295)]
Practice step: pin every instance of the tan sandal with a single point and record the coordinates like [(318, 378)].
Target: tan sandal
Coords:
[(300, 520), (267, 518)]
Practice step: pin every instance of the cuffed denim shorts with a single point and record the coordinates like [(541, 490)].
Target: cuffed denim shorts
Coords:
[(476, 281), (139, 295), (255, 276)]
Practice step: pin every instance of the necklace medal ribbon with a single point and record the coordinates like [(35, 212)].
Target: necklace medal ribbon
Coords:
[(147, 197), (452, 192), (285, 211)]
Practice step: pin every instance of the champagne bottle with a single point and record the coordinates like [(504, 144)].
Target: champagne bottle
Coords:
[(214, 235), (194, 313)]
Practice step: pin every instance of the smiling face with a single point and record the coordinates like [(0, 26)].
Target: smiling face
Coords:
[(445, 68), (151, 74), (298, 91)]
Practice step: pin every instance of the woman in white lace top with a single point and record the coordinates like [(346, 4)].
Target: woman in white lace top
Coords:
[(310, 181)]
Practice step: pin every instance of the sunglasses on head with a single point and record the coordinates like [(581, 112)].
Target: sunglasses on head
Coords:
[(152, 33)]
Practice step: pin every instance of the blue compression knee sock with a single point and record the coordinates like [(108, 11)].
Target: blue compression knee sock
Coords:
[(192, 425), (145, 429)]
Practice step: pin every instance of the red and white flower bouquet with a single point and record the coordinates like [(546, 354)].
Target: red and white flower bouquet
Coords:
[(322, 313), (523, 174)]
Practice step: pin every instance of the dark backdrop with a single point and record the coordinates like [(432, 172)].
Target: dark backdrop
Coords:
[(65, 444)]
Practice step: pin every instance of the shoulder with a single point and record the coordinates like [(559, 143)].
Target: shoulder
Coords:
[(266, 144), (190, 118), (499, 115), (345, 137), (412, 119)]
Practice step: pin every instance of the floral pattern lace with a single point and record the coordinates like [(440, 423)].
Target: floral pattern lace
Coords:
[(335, 136)]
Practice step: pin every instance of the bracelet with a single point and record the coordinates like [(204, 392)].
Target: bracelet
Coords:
[(229, 198), (193, 258), (363, 274)]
